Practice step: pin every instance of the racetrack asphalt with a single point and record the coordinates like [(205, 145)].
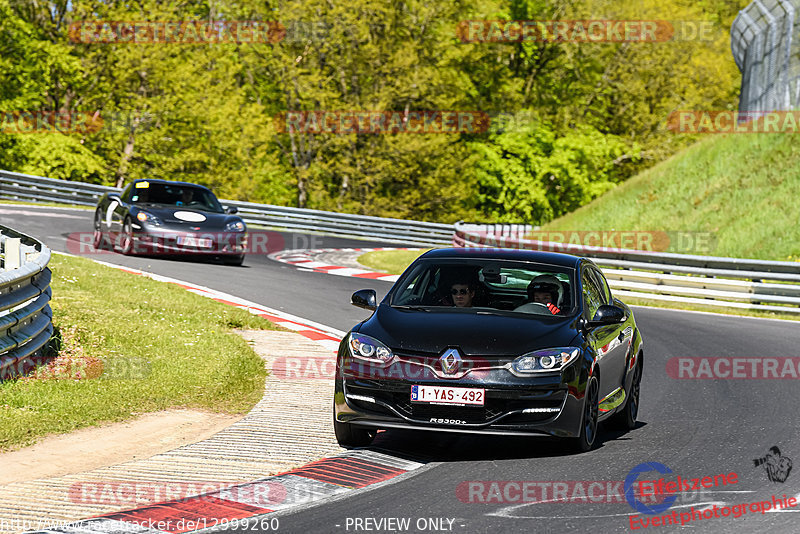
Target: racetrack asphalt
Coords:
[(697, 428)]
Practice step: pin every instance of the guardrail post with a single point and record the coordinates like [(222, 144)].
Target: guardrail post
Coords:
[(12, 253)]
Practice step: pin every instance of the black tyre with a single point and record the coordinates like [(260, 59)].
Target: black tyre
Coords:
[(352, 436), (98, 237), (238, 260), (626, 418), (126, 237), (585, 442)]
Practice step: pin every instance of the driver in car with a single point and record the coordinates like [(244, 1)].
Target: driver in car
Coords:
[(462, 294), (545, 290), (187, 196)]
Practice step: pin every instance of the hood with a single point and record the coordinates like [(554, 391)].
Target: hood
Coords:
[(177, 216), (473, 333)]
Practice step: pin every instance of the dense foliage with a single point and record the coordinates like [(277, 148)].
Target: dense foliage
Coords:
[(569, 120)]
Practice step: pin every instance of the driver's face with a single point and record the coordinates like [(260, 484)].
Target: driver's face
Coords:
[(542, 297), (462, 295)]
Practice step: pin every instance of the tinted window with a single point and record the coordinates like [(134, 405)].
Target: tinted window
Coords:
[(603, 285), (592, 296), (175, 195), (126, 194), (481, 285), (415, 287), (516, 278)]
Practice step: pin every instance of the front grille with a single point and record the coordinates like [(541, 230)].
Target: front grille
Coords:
[(466, 359), (473, 415), (527, 418), (370, 407), (498, 402)]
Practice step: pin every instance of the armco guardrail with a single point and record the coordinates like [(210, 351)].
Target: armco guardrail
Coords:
[(707, 280), (25, 315), (343, 224), (15, 186)]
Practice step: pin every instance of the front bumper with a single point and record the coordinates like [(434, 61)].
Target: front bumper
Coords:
[(148, 240), (546, 405)]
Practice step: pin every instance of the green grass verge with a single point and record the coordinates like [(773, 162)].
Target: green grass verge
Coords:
[(743, 189), (390, 261), (159, 346)]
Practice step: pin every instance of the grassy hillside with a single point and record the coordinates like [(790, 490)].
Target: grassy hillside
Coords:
[(744, 189)]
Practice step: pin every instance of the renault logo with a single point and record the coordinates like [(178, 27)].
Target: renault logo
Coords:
[(450, 361)]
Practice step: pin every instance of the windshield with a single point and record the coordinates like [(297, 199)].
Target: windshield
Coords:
[(488, 285), (177, 195)]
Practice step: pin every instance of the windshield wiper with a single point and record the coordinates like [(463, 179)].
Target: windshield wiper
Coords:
[(415, 308)]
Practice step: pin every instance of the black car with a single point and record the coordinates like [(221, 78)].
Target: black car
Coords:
[(492, 342), (164, 217)]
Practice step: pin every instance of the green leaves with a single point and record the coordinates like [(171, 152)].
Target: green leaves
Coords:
[(527, 173), (57, 156), (571, 120)]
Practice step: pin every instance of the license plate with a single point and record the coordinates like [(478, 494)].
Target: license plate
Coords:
[(447, 395), (189, 241)]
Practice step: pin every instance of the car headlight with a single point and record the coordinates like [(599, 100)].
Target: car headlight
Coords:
[(143, 216), (545, 361), (370, 349), (234, 226)]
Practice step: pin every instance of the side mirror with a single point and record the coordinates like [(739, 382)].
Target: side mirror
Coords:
[(607, 314), (365, 298), (231, 210)]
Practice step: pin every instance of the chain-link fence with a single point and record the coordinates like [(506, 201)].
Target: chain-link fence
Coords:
[(764, 41)]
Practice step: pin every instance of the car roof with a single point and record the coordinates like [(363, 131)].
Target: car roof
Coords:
[(549, 258), (171, 182)]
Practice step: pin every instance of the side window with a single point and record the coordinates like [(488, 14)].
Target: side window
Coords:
[(603, 285), (126, 195), (592, 296), (415, 288)]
